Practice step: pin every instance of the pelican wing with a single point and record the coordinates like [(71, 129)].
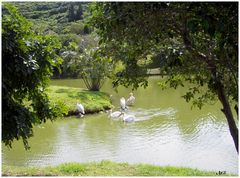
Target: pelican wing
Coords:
[(130, 100), (129, 118), (115, 114)]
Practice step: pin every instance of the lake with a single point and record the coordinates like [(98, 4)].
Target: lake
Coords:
[(166, 132)]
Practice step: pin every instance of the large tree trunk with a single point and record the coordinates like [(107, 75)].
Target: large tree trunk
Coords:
[(236, 108), (219, 87), (228, 113)]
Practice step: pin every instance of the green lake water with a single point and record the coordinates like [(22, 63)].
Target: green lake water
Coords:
[(166, 132)]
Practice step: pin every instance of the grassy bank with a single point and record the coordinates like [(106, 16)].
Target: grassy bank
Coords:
[(67, 97), (104, 168)]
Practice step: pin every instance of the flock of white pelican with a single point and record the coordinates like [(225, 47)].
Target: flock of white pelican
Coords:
[(117, 114)]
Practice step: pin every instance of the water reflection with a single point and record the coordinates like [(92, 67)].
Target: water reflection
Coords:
[(41, 144)]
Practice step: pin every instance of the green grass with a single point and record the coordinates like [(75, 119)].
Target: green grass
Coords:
[(104, 168), (67, 97)]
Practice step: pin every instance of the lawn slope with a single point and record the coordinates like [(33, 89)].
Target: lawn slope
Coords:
[(67, 97), (104, 168)]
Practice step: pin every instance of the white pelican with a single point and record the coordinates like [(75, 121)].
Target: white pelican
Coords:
[(80, 109), (115, 114), (131, 99), (128, 118), (123, 104)]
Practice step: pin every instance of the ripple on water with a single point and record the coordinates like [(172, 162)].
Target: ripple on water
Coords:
[(151, 135), (205, 129), (145, 114)]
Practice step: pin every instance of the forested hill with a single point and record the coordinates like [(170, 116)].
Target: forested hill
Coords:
[(52, 16), (60, 11)]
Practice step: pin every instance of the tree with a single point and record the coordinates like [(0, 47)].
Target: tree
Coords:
[(75, 11), (94, 68), (71, 12), (199, 40), (27, 64), (79, 12), (86, 60), (70, 54)]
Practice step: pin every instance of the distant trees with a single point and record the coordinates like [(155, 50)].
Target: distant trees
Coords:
[(28, 60), (54, 16), (75, 11), (199, 42)]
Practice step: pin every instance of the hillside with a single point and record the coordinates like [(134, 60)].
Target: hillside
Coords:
[(52, 16)]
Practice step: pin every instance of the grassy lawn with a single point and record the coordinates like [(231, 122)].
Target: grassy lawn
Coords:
[(104, 168), (93, 101)]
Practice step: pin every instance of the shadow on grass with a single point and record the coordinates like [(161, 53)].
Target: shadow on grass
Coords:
[(62, 90)]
